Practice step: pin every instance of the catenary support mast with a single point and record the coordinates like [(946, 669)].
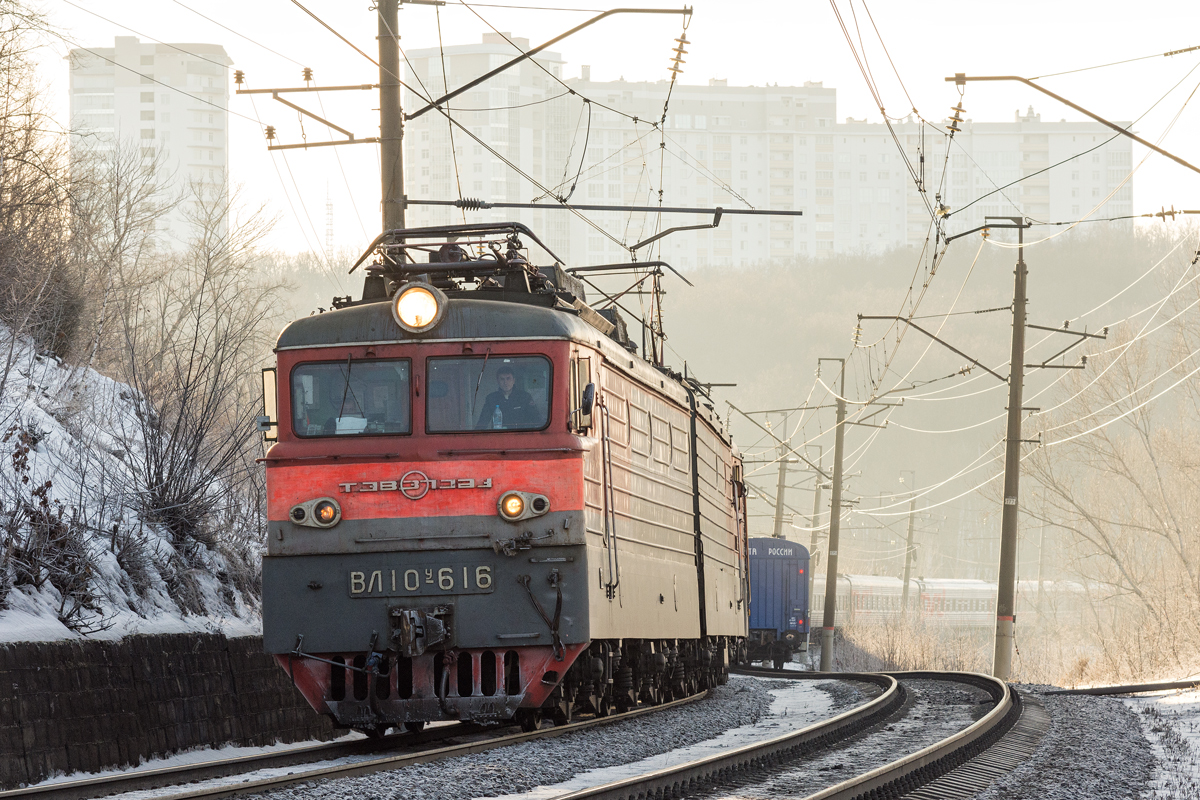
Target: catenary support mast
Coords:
[(835, 513), (391, 116), (908, 549), (1007, 589)]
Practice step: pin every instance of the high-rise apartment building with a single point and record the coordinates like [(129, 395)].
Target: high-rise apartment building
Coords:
[(861, 186), (167, 101), (515, 119)]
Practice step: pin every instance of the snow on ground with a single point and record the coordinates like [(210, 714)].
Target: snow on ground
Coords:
[(1171, 723), (83, 437), (199, 755), (796, 705)]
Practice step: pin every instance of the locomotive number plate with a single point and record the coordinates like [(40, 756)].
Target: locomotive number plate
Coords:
[(420, 581)]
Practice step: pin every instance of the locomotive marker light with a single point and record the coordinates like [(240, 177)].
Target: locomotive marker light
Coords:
[(418, 307), (323, 512), (516, 506)]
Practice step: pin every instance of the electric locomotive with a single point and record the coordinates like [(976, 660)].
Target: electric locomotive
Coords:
[(484, 504)]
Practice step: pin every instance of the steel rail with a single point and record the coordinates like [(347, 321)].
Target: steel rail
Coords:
[(175, 776), (891, 780), (154, 778), (928, 764), (1132, 688), (684, 779)]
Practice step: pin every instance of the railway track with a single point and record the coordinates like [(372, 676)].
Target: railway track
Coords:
[(958, 766), (430, 745), (966, 761)]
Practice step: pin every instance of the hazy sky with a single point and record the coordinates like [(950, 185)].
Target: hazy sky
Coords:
[(744, 42)]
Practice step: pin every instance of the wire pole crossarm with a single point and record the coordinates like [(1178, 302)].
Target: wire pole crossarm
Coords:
[(686, 11), (363, 87), (947, 345), (1083, 336), (308, 113), (790, 449), (961, 79)]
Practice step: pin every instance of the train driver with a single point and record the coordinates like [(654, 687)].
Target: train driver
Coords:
[(508, 406)]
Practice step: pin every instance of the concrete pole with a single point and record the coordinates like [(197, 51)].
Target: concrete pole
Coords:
[(908, 555), (780, 489), (835, 512), (1006, 588), (391, 117), (812, 547)]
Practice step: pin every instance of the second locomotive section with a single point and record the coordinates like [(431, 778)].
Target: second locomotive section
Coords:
[(452, 536)]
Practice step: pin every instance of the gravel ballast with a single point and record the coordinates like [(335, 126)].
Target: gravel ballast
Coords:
[(519, 768), (1094, 748)]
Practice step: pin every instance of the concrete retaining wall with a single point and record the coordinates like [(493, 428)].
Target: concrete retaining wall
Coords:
[(84, 705)]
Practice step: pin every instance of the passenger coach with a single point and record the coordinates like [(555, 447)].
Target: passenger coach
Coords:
[(483, 503)]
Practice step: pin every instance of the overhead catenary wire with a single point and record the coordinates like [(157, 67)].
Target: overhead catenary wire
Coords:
[(1117, 63), (252, 41)]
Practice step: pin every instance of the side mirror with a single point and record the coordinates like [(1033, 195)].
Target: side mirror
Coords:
[(268, 422), (589, 400)]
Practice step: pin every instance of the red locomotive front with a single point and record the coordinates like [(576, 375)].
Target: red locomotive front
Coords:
[(444, 514)]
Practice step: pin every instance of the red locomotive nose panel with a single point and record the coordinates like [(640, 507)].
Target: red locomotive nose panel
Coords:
[(423, 489)]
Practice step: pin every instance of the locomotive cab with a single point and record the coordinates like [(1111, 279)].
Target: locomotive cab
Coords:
[(460, 525)]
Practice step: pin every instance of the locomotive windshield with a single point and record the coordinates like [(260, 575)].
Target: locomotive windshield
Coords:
[(347, 398), (488, 393)]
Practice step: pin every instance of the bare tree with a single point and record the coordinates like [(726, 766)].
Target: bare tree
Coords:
[(192, 339), (1121, 482)]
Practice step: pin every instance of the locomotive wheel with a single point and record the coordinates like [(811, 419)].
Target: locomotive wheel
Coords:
[(562, 714), (530, 719), (414, 727)]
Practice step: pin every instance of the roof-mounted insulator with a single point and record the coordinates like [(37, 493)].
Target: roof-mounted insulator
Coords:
[(308, 75), (239, 77), (270, 133), (680, 51)]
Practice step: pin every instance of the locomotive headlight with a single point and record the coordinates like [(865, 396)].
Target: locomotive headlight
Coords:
[(516, 505), (325, 512), (418, 307), (512, 505)]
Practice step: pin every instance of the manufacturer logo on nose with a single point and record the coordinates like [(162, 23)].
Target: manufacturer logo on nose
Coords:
[(414, 485)]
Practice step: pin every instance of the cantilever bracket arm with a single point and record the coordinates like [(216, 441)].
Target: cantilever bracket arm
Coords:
[(947, 345), (686, 11), (961, 79), (308, 113), (716, 221), (1083, 336)]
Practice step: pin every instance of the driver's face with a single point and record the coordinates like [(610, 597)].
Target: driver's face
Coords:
[(506, 381)]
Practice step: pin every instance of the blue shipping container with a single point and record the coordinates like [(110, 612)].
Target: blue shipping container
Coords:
[(778, 586)]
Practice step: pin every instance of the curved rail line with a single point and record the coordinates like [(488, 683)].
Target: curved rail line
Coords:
[(176, 777), (1132, 688), (892, 780), (686, 779)]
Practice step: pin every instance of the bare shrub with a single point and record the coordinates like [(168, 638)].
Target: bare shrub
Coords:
[(44, 544), (910, 643), (192, 339)]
